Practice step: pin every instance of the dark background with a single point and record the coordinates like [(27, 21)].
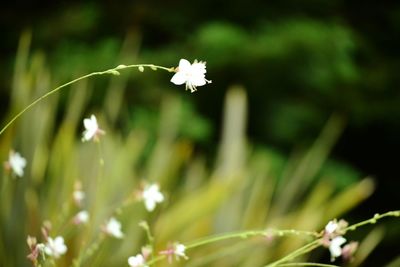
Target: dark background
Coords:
[(300, 61)]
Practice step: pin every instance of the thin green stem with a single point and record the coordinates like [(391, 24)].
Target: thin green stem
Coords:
[(247, 234), (113, 71), (240, 234), (394, 213), (271, 232), (220, 237), (156, 259), (300, 251), (308, 264), (87, 253)]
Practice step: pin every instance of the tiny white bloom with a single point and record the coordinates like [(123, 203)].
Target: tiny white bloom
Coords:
[(17, 163), (137, 261), (331, 227), (113, 228), (92, 130), (55, 247), (81, 217), (179, 251), (191, 74), (335, 247), (151, 196), (78, 196)]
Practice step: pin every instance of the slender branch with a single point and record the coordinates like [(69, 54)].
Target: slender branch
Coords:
[(247, 234), (156, 259), (373, 220), (271, 232), (308, 264), (302, 250), (113, 71)]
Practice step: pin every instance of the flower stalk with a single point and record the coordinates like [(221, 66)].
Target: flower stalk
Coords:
[(113, 71)]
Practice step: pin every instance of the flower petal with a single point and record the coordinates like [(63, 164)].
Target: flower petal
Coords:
[(179, 78), (184, 65)]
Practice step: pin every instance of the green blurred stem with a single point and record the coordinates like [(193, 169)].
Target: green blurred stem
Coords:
[(373, 220), (308, 264), (240, 234), (156, 259), (271, 232), (113, 71), (300, 251), (87, 253), (247, 234)]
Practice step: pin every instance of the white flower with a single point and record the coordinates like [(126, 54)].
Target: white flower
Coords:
[(191, 74), (113, 228), (92, 130), (81, 217), (331, 227), (151, 196), (137, 261), (179, 251), (335, 248), (16, 163), (78, 196), (176, 249), (55, 247)]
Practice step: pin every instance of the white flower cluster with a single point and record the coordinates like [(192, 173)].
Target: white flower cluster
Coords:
[(192, 75), (333, 239), (137, 261), (55, 247)]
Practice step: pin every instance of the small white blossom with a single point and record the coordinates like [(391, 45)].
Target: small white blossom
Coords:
[(179, 251), (55, 247), (78, 196), (331, 227), (92, 130), (81, 217), (16, 163), (191, 74), (113, 228), (335, 247), (151, 196), (137, 261)]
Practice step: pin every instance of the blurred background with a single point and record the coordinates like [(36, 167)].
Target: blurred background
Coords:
[(315, 82)]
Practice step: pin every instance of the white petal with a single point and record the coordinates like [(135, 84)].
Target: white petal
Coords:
[(184, 64), (331, 227), (158, 197), (198, 80), (136, 261), (335, 248), (82, 217), (17, 163), (179, 78), (199, 67), (91, 128), (59, 245), (48, 251), (90, 123), (150, 204)]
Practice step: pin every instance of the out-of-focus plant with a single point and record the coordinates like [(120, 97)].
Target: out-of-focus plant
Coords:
[(102, 203)]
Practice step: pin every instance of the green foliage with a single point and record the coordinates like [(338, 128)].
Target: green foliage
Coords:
[(245, 188)]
